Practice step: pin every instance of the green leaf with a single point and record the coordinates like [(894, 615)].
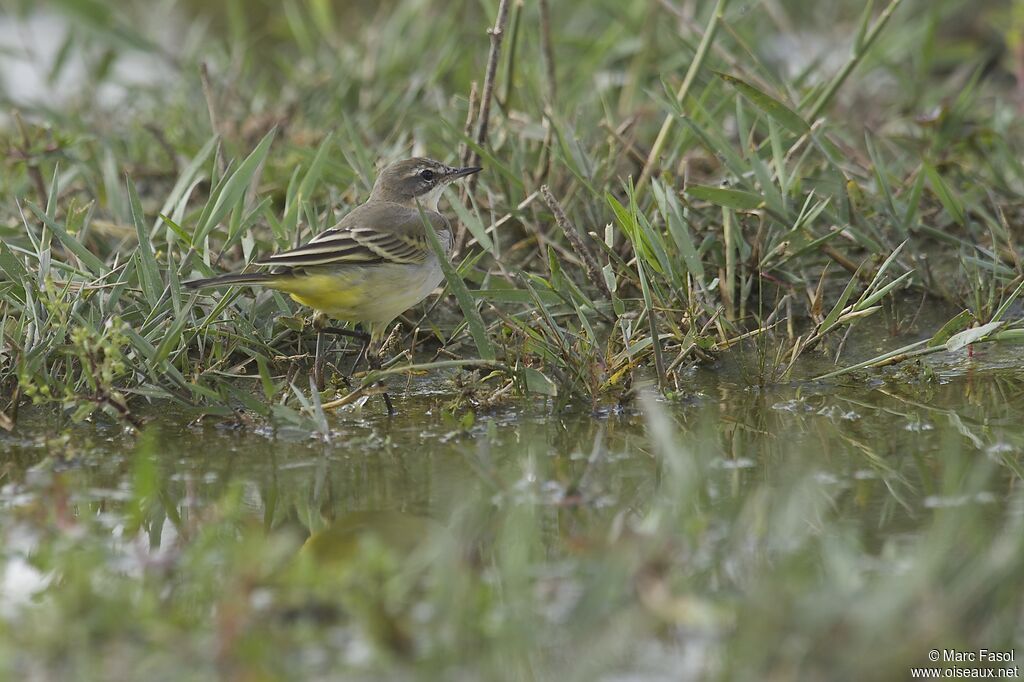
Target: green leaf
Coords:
[(719, 146), (465, 299), (773, 198), (307, 186), (947, 330), (87, 257), (1010, 336), (768, 104), (837, 309), (913, 203), (652, 321), (10, 264), (265, 379), (177, 200), (669, 206), (969, 336), (868, 298), (877, 296), (862, 29), (949, 200), (510, 295), (537, 382), (149, 275), (471, 221), (1008, 302), (233, 189), (729, 198)]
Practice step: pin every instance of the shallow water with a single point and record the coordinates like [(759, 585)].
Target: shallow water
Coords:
[(876, 449)]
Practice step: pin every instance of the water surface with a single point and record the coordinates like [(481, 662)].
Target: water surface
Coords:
[(519, 492)]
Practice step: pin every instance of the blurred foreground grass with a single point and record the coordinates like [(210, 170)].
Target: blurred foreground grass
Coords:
[(742, 541), (819, 170)]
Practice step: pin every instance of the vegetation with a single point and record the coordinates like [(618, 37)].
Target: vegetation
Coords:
[(669, 186), (765, 206)]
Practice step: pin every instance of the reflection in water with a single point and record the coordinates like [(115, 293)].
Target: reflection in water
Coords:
[(394, 532)]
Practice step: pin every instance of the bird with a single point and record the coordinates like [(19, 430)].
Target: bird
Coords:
[(375, 263)]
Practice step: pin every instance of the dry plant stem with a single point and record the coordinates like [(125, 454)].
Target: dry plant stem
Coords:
[(496, 33), (730, 264), (348, 399), (510, 62), (573, 235), (618, 135), (211, 107), (547, 49), (855, 59), (846, 263), (509, 216), (548, 53), (842, 345), (465, 152), (684, 89)]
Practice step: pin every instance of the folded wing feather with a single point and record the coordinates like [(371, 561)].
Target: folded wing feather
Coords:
[(398, 239)]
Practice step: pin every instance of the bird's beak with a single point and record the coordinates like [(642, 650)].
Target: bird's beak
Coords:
[(463, 172)]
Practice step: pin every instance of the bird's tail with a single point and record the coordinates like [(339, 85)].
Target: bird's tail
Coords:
[(236, 278)]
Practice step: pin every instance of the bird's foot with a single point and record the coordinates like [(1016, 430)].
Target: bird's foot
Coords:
[(373, 360), (356, 334), (370, 355), (319, 323)]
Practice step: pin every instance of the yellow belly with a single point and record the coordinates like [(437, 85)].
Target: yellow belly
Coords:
[(322, 292), (370, 293)]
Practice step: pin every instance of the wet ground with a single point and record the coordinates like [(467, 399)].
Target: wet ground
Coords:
[(877, 447)]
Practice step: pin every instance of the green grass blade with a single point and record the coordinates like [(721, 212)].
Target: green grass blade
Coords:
[(152, 283), (232, 191), (768, 104), (728, 198), (86, 257), (476, 323), (946, 197)]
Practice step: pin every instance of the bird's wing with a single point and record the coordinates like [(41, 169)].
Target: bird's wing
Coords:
[(381, 232)]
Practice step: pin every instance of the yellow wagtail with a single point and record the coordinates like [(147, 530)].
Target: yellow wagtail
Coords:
[(376, 262)]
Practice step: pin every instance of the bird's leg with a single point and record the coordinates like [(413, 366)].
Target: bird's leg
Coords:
[(319, 323), (374, 360), (360, 356), (318, 362), (368, 352), (352, 334)]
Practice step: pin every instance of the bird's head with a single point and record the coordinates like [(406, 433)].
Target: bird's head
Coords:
[(417, 180)]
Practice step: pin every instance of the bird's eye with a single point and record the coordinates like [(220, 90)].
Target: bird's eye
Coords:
[(427, 175)]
